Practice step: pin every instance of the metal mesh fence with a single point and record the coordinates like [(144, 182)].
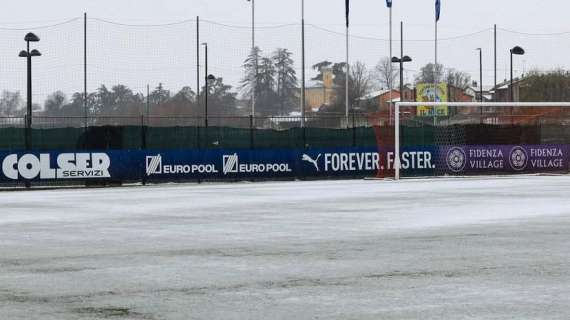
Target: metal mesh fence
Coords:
[(142, 56)]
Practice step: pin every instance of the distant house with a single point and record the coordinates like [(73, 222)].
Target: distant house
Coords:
[(503, 90), (378, 101), (321, 94), (475, 91)]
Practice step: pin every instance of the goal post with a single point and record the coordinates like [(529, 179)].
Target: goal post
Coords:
[(472, 138)]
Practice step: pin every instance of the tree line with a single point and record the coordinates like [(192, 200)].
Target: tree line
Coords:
[(120, 100), (272, 80)]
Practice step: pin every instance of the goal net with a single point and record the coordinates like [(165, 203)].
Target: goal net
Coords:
[(469, 139)]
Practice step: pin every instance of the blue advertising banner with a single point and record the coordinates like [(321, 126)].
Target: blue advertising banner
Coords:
[(172, 165)]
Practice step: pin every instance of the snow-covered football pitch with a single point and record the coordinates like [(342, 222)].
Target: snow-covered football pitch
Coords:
[(489, 248)]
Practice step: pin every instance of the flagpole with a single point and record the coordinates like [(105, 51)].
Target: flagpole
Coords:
[(303, 97), (347, 69)]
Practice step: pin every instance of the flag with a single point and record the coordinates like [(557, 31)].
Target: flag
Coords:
[(347, 4), (389, 3), (437, 9)]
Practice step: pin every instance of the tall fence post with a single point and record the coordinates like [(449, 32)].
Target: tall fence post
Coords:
[(28, 141), (85, 110)]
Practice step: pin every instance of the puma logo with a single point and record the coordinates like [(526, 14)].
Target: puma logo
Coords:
[(311, 160)]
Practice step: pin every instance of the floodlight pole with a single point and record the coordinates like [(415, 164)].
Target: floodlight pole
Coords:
[(518, 51), (30, 37), (206, 84), (29, 93), (198, 59), (511, 93), (397, 141)]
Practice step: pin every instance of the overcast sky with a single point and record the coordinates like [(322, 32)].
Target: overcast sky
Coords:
[(369, 19), (524, 15)]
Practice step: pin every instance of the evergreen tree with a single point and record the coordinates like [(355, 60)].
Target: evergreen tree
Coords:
[(249, 82), (159, 95), (266, 95), (286, 80), (221, 100), (319, 67)]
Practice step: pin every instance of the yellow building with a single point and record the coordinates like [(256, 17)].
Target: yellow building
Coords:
[(321, 95)]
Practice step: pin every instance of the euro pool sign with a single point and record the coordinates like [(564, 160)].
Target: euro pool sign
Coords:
[(231, 165), (154, 166), (68, 166)]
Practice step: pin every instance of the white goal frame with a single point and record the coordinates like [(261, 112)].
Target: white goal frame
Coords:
[(398, 105)]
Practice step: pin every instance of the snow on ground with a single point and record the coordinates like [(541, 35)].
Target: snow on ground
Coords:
[(419, 249)]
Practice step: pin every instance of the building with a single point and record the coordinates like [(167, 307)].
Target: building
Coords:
[(503, 90), (378, 101), (320, 94)]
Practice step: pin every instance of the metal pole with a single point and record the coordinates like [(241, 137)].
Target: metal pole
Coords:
[(347, 102), (198, 60), (397, 141), (401, 61), (436, 73), (512, 95), (495, 87), (481, 74), (207, 87), (481, 83), (148, 101), (85, 67), (256, 62), (391, 85), (29, 107), (29, 93), (302, 63)]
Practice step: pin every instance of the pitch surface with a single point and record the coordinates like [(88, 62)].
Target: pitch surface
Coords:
[(424, 249)]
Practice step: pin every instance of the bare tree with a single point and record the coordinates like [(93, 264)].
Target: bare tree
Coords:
[(54, 103), (458, 79), (10, 103), (360, 82), (429, 72), (386, 73)]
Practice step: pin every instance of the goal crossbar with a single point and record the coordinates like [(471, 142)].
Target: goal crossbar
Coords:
[(399, 105)]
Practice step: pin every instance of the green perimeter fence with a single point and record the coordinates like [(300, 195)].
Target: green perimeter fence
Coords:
[(133, 133), (123, 133)]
